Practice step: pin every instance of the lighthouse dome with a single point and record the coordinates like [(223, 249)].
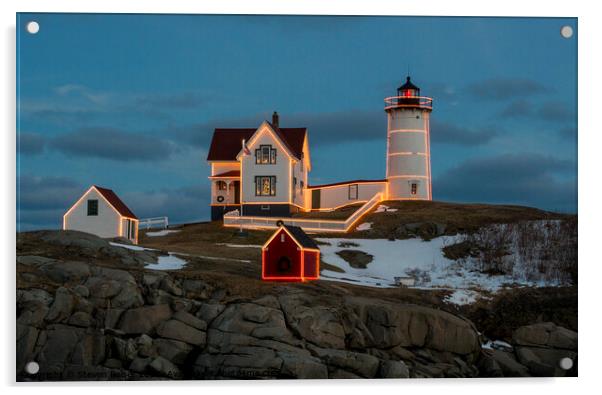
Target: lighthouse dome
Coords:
[(408, 89)]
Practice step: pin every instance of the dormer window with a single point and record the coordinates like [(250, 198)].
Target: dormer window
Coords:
[(265, 155)]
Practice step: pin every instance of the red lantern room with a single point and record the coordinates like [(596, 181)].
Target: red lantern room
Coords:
[(290, 255), (408, 93)]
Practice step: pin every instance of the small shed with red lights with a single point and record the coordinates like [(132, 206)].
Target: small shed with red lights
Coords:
[(290, 255)]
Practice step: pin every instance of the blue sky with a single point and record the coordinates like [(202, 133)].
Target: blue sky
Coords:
[(130, 101)]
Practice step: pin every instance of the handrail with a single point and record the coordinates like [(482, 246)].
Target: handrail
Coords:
[(408, 101), (309, 224), (146, 223)]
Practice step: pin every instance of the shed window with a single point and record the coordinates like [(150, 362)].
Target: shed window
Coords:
[(353, 192), (265, 155), (92, 207), (414, 188)]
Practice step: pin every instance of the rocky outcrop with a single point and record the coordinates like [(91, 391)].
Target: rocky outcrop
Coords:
[(81, 320), (538, 350)]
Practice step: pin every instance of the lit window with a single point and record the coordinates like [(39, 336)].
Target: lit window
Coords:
[(265, 155), (221, 185), (93, 207), (414, 188), (353, 192), (265, 186)]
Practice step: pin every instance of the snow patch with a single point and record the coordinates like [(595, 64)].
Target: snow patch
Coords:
[(167, 262), (240, 245), (130, 247), (364, 226), (164, 232), (462, 297), (384, 209)]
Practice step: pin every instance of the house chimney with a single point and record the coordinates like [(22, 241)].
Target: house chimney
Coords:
[(275, 120)]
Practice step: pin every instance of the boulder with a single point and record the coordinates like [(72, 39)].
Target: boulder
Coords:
[(191, 320), (545, 334), (144, 319), (80, 318), (298, 366), (544, 362), (363, 365), (165, 368), (27, 337), (139, 365), (65, 272), (61, 307), (208, 311), (509, 365), (173, 350), (126, 350), (25, 296), (393, 370), (177, 330)]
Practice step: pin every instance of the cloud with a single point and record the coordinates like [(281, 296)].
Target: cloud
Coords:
[(526, 179), (550, 111), (569, 133), (505, 88), (30, 143), (115, 144), (184, 204), (186, 100), (448, 133), (82, 91), (36, 193)]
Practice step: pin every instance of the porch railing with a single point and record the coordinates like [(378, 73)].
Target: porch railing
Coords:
[(233, 219)]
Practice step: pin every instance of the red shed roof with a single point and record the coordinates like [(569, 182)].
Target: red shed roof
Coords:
[(114, 201), (227, 143)]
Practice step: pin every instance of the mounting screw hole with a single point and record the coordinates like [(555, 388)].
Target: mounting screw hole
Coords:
[(32, 27), (566, 31), (32, 367), (565, 363)]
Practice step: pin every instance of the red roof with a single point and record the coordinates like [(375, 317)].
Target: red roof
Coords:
[(231, 173), (345, 183), (227, 143), (114, 201)]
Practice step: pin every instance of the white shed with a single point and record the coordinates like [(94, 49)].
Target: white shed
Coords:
[(100, 212)]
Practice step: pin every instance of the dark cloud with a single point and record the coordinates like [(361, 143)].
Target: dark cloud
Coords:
[(448, 133), (38, 193), (30, 143), (115, 144), (525, 179), (550, 111), (556, 111), (569, 133), (184, 204), (505, 88)]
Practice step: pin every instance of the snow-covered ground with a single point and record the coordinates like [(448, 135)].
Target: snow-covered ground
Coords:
[(364, 226), (384, 209), (422, 260), (163, 232), (167, 262)]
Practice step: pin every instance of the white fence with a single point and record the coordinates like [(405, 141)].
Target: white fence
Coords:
[(148, 223), (313, 225)]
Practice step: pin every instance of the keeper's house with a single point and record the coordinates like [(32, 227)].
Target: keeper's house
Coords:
[(264, 172), (99, 211)]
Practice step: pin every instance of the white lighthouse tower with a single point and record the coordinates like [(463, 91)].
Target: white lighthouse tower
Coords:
[(408, 144)]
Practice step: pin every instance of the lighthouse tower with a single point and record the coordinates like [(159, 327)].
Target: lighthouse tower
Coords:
[(408, 144)]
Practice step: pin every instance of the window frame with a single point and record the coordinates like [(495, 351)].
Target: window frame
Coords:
[(89, 211), (219, 183), (265, 152), (414, 188), (259, 185), (350, 189)]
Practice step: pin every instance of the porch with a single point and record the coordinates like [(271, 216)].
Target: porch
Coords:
[(225, 188)]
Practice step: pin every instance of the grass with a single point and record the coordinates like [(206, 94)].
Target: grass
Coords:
[(341, 213)]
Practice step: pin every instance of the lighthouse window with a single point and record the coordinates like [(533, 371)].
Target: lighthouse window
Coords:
[(265, 186), (265, 155), (353, 192), (414, 188)]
